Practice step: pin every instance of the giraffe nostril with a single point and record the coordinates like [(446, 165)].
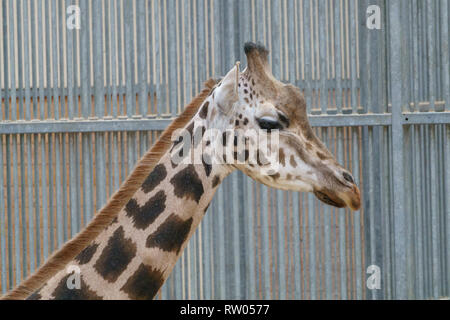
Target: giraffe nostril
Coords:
[(348, 177)]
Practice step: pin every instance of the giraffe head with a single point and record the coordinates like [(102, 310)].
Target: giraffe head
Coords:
[(254, 100)]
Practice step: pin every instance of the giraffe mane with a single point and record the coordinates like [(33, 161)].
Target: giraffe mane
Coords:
[(111, 209)]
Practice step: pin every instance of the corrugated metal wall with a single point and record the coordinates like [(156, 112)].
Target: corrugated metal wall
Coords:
[(80, 106)]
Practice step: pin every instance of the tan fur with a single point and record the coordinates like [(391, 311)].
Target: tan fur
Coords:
[(104, 217)]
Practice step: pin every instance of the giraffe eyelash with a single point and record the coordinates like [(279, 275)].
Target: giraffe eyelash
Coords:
[(283, 119)]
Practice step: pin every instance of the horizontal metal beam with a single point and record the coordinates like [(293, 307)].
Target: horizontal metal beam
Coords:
[(350, 120), (145, 124), (426, 117), (78, 125)]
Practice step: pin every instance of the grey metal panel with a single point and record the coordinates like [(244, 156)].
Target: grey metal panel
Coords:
[(396, 48), (3, 227)]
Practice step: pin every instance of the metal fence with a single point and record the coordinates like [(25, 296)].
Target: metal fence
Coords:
[(79, 107)]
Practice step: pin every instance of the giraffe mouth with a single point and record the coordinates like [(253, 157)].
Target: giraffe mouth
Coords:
[(350, 198), (329, 198)]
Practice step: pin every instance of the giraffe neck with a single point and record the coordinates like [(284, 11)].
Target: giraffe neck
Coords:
[(133, 257)]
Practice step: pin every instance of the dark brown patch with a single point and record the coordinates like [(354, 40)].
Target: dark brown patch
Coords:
[(246, 100), (147, 214), (225, 137), (158, 174), (206, 160), (322, 156), (144, 283), (292, 162), (206, 209), (190, 128), (171, 234), (275, 176), (87, 253), (216, 181), (62, 292), (182, 153), (246, 154), (116, 256), (204, 110), (245, 121), (176, 142), (187, 184), (235, 140), (198, 135), (282, 157), (299, 149), (35, 295)]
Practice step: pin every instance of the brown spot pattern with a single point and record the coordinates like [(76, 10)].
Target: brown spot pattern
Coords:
[(144, 283), (62, 292), (204, 110), (35, 296), (171, 234), (87, 253), (187, 184), (145, 215), (206, 160), (282, 157), (198, 135), (158, 174), (292, 162), (275, 176), (322, 156), (216, 181)]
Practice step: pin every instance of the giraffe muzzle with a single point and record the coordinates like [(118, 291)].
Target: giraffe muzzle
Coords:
[(329, 198), (350, 198)]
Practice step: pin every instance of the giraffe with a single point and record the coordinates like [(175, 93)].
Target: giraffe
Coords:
[(134, 241)]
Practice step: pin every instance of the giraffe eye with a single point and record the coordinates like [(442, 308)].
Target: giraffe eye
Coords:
[(268, 124), (283, 119)]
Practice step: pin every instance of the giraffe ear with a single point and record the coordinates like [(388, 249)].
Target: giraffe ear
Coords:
[(227, 92)]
